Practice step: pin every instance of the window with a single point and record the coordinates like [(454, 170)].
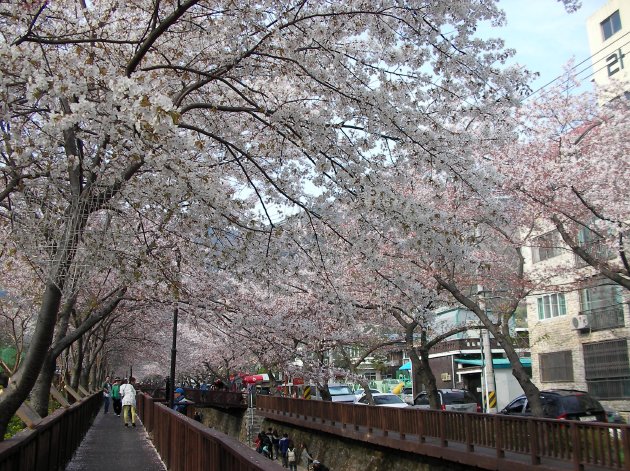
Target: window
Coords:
[(611, 25), (602, 303), (516, 407), (556, 366), (546, 246), (551, 305), (607, 369)]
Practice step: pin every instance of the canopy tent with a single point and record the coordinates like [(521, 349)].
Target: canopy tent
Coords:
[(496, 363)]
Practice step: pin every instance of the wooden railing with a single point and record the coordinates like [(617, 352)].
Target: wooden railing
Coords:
[(187, 445), (53, 441), (222, 399), (525, 441)]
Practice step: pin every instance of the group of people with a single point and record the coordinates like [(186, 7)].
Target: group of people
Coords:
[(271, 445), (123, 398)]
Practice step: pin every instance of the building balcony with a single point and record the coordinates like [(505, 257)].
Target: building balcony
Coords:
[(607, 317)]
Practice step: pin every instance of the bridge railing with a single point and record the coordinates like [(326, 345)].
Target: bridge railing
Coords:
[(187, 445), (52, 442), (224, 399), (580, 443)]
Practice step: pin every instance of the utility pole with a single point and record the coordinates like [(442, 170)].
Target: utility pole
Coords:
[(490, 389)]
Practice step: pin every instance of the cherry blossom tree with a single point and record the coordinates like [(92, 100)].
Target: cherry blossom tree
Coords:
[(108, 107), (567, 173)]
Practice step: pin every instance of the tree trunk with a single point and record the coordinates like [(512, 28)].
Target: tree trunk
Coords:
[(25, 379), (41, 390), (428, 379), (530, 389), (78, 365)]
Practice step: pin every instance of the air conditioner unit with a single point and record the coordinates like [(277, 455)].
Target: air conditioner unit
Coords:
[(445, 377), (580, 322)]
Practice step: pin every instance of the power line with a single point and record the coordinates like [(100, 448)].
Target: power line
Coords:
[(580, 63)]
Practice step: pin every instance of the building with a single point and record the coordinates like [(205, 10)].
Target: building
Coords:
[(457, 362), (578, 331), (609, 40)]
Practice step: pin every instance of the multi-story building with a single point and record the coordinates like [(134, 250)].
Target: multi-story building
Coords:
[(579, 330), (609, 40)]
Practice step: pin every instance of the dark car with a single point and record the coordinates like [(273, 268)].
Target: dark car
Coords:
[(458, 400), (561, 404)]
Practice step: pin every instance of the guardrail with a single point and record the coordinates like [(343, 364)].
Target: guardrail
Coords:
[(184, 444), (223, 399), (49, 446), (490, 440)]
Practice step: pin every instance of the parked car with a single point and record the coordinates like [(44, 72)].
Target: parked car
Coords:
[(458, 400), (407, 395), (561, 404), (383, 399), (338, 392), (360, 392), (613, 416)]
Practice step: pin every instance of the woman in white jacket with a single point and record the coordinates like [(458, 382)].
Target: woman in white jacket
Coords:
[(128, 396)]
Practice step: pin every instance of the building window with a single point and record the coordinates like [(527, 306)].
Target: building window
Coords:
[(556, 366), (594, 245), (551, 305), (607, 369), (546, 246), (611, 25), (603, 305)]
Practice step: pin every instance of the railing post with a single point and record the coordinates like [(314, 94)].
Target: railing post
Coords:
[(442, 422), (422, 415), (468, 433), (575, 447), (498, 436), (533, 441)]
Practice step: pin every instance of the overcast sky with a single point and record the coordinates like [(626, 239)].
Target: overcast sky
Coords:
[(545, 36)]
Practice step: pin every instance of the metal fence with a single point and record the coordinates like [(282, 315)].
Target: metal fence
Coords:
[(49, 446), (187, 445), (527, 440)]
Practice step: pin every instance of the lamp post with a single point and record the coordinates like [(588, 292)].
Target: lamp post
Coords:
[(171, 393)]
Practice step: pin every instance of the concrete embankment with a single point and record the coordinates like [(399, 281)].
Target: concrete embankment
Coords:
[(337, 453)]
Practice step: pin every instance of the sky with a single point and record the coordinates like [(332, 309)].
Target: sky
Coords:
[(545, 36)]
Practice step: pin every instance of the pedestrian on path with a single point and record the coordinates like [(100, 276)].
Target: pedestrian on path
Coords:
[(292, 457), (107, 389), (309, 458), (283, 446), (116, 399), (128, 393), (180, 402)]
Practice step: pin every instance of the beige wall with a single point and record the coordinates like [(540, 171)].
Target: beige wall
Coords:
[(606, 60)]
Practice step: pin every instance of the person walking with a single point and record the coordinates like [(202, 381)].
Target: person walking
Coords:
[(116, 400), (275, 439), (128, 394), (107, 389), (270, 439), (283, 447), (291, 457), (180, 402), (309, 458)]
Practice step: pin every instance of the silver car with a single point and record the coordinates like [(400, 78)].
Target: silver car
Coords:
[(458, 400)]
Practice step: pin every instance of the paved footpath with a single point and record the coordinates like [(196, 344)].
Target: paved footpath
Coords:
[(109, 445)]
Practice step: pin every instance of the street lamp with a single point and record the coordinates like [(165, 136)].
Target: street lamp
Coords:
[(171, 391)]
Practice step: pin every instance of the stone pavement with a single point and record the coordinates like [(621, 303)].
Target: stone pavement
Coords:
[(109, 445)]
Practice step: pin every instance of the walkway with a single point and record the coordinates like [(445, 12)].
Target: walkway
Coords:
[(110, 445)]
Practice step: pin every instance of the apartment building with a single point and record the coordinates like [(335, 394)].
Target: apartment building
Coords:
[(579, 330), (609, 40)]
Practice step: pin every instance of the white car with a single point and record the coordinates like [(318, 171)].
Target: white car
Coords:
[(383, 400), (360, 392)]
